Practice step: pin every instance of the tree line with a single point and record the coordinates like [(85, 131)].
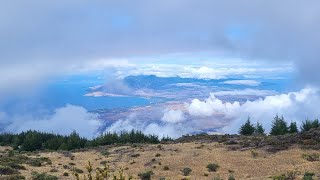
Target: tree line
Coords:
[(35, 140), (278, 127)]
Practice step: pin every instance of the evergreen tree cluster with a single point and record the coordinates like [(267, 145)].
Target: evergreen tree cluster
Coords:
[(248, 128), (279, 127), (35, 140)]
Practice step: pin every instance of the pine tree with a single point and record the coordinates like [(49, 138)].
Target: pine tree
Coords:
[(259, 129), (279, 126), (293, 128), (32, 141), (308, 124), (315, 123), (247, 128)]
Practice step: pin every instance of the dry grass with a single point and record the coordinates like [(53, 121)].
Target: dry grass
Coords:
[(178, 156)]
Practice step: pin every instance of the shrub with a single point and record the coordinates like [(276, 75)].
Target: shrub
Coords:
[(10, 153), (287, 176), (308, 176), (280, 177), (42, 176), (158, 155), (54, 170), (15, 177), (247, 128), (34, 162), (5, 170), (105, 153), (77, 170), (311, 157), (145, 175), (231, 177), (212, 167), (279, 126), (103, 162), (135, 155), (166, 168), (254, 153), (65, 174), (16, 166), (186, 171)]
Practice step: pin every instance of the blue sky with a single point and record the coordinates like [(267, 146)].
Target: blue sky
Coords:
[(216, 62)]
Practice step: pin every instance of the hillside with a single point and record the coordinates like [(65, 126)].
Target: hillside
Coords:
[(262, 157)]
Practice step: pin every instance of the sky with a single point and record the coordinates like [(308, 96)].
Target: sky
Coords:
[(103, 65)]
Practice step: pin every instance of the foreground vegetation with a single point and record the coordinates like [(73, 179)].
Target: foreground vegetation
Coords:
[(174, 161)]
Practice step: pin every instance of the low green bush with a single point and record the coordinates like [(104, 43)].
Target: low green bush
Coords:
[(311, 157), (308, 176), (77, 170), (146, 175), (42, 176), (186, 171), (212, 167)]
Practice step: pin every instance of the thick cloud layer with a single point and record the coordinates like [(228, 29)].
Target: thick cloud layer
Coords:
[(41, 38), (294, 106), (170, 128), (63, 121)]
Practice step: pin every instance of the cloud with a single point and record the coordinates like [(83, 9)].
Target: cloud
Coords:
[(173, 116), (211, 106), (218, 70), (63, 121), (244, 92), (294, 106), (39, 39), (243, 82), (173, 130)]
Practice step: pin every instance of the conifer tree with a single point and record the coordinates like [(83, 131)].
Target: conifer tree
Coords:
[(279, 126), (259, 129), (247, 128), (293, 128)]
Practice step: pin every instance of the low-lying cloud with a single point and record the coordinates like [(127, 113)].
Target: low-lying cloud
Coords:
[(63, 121), (173, 116), (163, 129), (243, 82), (294, 106)]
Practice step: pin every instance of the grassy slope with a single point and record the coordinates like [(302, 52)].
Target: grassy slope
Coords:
[(177, 156)]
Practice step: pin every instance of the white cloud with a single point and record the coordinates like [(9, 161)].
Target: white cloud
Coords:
[(244, 92), (294, 106), (173, 130), (63, 121), (173, 116), (211, 106), (208, 71), (243, 82)]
